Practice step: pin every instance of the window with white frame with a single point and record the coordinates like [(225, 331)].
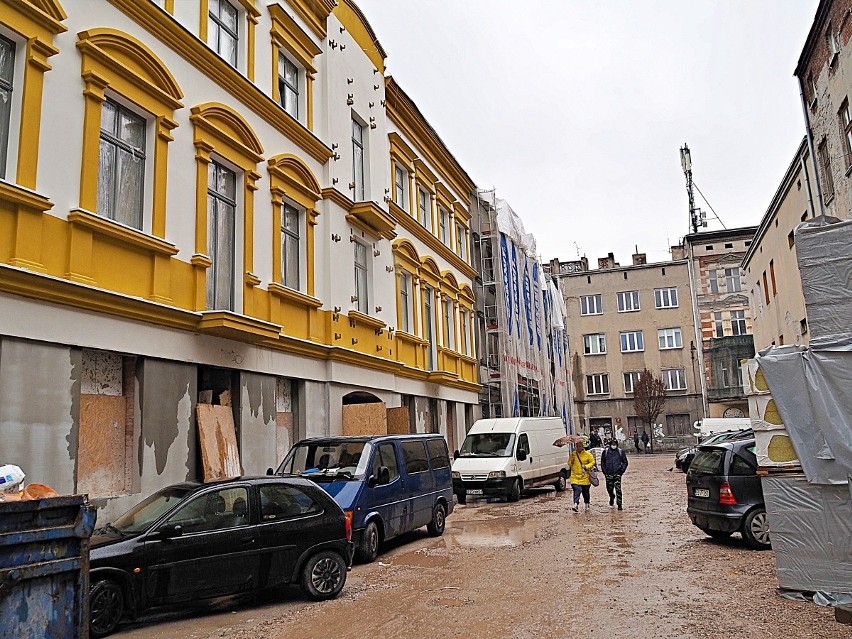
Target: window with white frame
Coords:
[(669, 338), (358, 160), (718, 325), (591, 305), (461, 241), (444, 226), (630, 380), (400, 186), (362, 278), (738, 323), (121, 168), (714, 282), (7, 76), (597, 384), (405, 301), (464, 334), (290, 247), (424, 208), (632, 341), (594, 344), (223, 33), (628, 301), (674, 379), (665, 297), (221, 236), (449, 324), (732, 280), (288, 85)]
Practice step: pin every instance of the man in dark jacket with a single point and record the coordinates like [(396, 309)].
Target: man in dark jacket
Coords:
[(613, 465)]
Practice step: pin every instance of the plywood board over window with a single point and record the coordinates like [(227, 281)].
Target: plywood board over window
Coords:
[(100, 454), (398, 421), (217, 439), (365, 419)]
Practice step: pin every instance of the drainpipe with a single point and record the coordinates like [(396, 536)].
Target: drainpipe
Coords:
[(810, 137)]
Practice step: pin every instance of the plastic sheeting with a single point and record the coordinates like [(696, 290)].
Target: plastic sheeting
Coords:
[(811, 388), (825, 264), (811, 527)]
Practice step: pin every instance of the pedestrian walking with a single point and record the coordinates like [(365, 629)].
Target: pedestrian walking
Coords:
[(613, 465), (645, 440), (581, 462), (595, 440), (636, 440)]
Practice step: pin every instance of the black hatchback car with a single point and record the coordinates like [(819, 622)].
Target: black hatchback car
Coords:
[(197, 541), (725, 494)]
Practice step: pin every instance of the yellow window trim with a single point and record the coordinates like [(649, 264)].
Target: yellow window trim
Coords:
[(293, 296), (109, 228), (415, 229), (426, 176), (291, 178), (219, 130), (314, 13), (366, 320), (373, 220), (117, 62), (252, 18), (333, 195), (231, 325), (286, 34), (199, 55), (37, 21), (29, 208)]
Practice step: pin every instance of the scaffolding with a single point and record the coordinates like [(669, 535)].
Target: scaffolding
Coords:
[(520, 324)]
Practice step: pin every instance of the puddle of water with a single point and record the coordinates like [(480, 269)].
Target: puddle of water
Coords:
[(501, 532), (420, 560)]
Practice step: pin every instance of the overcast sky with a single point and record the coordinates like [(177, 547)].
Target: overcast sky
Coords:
[(575, 110)]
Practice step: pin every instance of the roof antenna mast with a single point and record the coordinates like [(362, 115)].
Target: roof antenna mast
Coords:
[(686, 163)]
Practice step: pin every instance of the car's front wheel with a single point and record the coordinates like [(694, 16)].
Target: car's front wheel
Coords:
[(368, 549), (514, 493), (439, 521), (755, 529), (106, 607), (324, 575)]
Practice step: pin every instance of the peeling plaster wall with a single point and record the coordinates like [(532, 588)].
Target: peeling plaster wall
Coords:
[(421, 414), (39, 411), (257, 423)]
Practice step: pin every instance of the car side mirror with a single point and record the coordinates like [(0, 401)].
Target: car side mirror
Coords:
[(456, 454), (269, 471), (373, 481), (384, 475), (170, 531), (522, 454)]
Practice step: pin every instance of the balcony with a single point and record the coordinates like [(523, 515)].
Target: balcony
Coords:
[(724, 393), (743, 343)]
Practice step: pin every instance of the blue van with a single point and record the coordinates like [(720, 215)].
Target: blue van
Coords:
[(386, 484)]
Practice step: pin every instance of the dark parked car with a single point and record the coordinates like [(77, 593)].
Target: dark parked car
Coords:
[(196, 541), (725, 494), (684, 457)]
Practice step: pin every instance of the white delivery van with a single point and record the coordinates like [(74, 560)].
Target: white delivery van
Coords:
[(506, 456)]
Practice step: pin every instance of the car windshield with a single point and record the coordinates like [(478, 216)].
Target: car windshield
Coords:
[(488, 445), (709, 462), (328, 459), (139, 518)]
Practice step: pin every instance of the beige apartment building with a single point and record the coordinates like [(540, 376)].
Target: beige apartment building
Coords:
[(621, 320), (771, 269)]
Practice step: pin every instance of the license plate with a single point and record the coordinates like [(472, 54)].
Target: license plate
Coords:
[(475, 491), (701, 492)]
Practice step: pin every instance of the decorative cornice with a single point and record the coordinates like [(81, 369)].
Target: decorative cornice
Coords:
[(127, 235), (293, 296), (198, 54), (338, 198), (371, 218), (48, 14), (366, 320), (24, 197), (314, 13), (417, 230), (234, 326), (286, 33)]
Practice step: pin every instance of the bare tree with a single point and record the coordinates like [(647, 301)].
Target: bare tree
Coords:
[(649, 399)]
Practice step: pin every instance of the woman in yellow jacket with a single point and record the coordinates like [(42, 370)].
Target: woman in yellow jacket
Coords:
[(581, 462)]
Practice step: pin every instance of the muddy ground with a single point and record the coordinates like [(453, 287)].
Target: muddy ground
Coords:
[(535, 569)]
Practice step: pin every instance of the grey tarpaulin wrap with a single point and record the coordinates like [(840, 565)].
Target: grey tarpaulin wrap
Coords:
[(813, 391), (811, 533), (825, 263)]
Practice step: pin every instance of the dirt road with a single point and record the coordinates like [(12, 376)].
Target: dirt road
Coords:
[(535, 569)]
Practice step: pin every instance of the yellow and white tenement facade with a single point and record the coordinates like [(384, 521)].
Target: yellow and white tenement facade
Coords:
[(224, 201)]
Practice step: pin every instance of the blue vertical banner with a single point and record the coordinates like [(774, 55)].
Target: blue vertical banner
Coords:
[(516, 292), (536, 297), (528, 302), (507, 278)]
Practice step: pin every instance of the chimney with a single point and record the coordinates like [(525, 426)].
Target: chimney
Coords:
[(607, 262), (639, 259), (678, 252)]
